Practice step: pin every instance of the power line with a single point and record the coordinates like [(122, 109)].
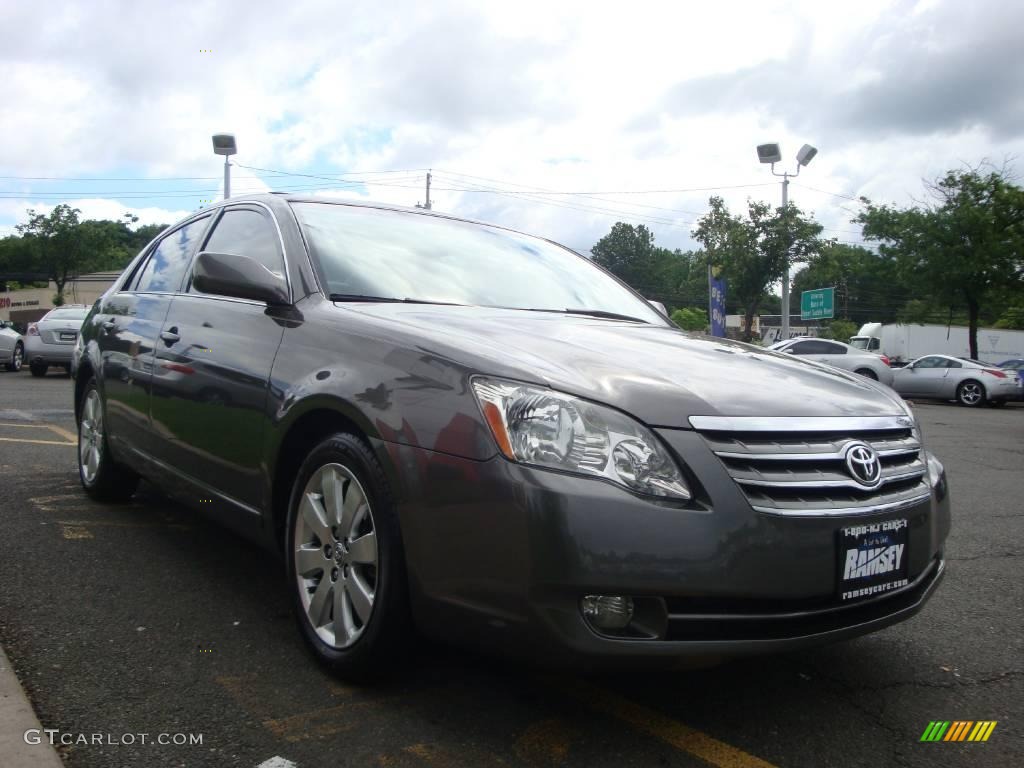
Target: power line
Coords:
[(826, 192)]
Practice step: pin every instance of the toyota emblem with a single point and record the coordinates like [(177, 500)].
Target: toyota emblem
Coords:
[(863, 464)]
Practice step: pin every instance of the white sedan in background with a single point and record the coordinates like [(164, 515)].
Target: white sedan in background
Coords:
[(12, 347), (969, 382), (840, 355)]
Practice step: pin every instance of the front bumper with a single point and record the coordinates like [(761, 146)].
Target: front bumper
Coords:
[(500, 555)]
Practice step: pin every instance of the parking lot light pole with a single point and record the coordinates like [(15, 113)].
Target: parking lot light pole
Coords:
[(771, 153), (224, 144)]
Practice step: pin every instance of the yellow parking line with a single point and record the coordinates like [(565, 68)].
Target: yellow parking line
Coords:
[(545, 743), (673, 733), (61, 432), (316, 724), (35, 442), (75, 532)]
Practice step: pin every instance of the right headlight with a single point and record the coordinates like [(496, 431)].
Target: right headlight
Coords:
[(544, 428)]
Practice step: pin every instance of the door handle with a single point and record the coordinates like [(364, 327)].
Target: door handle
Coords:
[(170, 336)]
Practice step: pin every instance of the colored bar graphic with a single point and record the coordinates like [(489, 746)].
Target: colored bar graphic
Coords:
[(958, 730), (935, 730)]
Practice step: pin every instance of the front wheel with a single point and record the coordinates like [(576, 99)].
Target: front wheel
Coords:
[(17, 358), (345, 561), (102, 477), (970, 393)]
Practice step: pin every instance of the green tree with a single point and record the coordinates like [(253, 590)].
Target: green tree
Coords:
[(691, 319), (628, 252), (1012, 318), (840, 330), (869, 287), (675, 278), (56, 243), (964, 244), (753, 252)]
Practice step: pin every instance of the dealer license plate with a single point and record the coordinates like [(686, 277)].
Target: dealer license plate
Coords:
[(872, 559)]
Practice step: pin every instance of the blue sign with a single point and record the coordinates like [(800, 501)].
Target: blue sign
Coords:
[(717, 306)]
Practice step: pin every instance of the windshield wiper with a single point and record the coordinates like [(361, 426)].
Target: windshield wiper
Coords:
[(357, 297), (592, 313)]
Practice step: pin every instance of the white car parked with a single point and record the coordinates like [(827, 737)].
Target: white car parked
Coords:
[(969, 382), (51, 340), (840, 355), (12, 347)]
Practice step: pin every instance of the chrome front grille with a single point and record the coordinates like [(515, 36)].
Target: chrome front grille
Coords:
[(795, 466)]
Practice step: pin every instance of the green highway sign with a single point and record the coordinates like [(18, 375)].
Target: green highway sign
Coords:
[(818, 304)]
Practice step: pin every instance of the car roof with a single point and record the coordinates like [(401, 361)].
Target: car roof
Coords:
[(272, 198)]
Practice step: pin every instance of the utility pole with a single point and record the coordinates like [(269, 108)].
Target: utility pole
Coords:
[(770, 153), (785, 275), (224, 144), (426, 205)]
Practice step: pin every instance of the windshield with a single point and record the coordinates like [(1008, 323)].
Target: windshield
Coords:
[(75, 313), (385, 254), (860, 342)]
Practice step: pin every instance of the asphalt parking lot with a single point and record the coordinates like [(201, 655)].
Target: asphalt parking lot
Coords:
[(145, 618)]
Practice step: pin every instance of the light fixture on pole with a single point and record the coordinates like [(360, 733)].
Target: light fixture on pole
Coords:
[(771, 153), (224, 144)]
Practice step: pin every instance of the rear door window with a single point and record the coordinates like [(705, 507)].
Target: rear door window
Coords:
[(167, 263), (813, 348)]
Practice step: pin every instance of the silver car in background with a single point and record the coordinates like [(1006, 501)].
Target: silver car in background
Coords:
[(12, 347), (840, 355), (51, 340), (969, 382)]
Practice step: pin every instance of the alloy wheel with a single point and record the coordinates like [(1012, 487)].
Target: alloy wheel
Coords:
[(19, 357), (970, 393), (90, 437), (336, 555)]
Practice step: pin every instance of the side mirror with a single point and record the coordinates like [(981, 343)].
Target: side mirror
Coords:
[(658, 306), (230, 274)]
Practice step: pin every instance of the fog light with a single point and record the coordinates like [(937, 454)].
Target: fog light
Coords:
[(607, 611)]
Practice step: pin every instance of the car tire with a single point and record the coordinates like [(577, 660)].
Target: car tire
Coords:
[(867, 373), (970, 393), (38, 369), (17, 358), (102, 478), (340, 497)]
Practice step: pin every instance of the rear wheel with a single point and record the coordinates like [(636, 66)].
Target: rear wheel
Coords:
[(345, 561), (38, 369), (102, 477), (867, 373), (970, 393), (17, 358)]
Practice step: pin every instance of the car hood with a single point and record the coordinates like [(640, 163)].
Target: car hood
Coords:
[(659, 374)]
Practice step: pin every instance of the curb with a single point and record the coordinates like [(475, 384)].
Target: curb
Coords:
[(16, 717)]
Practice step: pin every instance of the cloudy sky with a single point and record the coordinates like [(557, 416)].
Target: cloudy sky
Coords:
[(647, 107)]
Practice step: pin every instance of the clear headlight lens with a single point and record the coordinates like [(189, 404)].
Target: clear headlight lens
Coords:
[(538, 426)]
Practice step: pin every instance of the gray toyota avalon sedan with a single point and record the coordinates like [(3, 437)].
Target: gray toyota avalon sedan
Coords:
[(458, 429)]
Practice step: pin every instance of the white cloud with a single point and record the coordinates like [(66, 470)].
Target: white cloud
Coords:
[(567, 96)]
